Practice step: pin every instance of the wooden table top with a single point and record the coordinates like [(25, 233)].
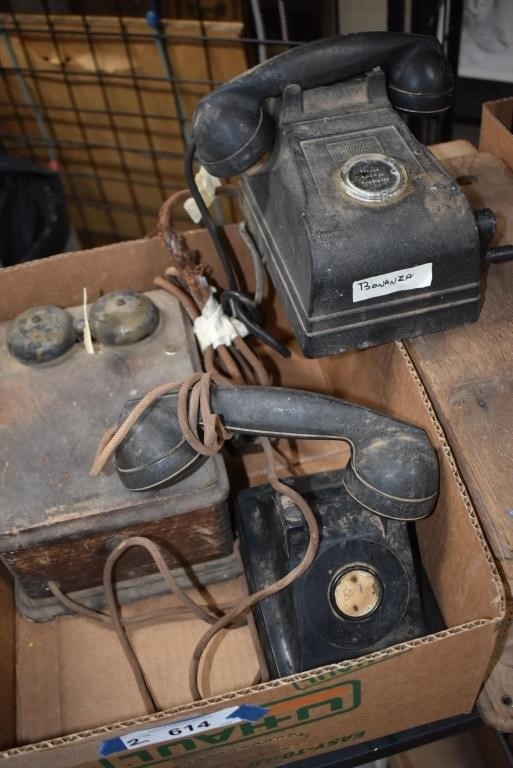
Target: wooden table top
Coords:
[(468, 374)]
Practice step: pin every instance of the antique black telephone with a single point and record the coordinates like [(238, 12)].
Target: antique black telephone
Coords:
[(361, 592), (366, 237), (360, 595)]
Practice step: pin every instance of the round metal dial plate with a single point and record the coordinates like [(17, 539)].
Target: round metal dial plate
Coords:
[(373, 178)]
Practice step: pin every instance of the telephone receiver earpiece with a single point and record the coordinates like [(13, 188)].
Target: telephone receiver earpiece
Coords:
[(232, 131), (393, 469)]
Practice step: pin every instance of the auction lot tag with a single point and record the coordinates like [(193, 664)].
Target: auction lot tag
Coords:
[(180, 728)]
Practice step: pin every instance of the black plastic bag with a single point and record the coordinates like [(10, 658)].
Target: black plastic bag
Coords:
[(33, 218)]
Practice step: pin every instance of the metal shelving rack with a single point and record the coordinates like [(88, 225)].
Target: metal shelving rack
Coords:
[(115, 123)]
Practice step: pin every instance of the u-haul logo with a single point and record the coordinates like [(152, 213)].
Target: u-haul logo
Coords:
[(282, 715)]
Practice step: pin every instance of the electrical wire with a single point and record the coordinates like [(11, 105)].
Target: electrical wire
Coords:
[(258, 266), (231, 369), (245, 310), (236, 297), (196, 292), (194, 408), (119, 624), (171, 613), (213, 231), (282, 13), (248, 602), (259, 29)]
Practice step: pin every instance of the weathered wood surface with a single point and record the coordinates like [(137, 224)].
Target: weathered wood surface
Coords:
[(468, 373), (198, 536)]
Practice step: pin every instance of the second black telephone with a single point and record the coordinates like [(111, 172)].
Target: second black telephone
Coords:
[(365, 235), (361, 592)]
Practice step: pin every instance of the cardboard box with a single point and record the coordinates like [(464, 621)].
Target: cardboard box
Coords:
[(70, 675), (496, 134)]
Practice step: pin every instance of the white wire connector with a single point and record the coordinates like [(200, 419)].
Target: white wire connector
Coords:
[(207, 185), (214, 328)]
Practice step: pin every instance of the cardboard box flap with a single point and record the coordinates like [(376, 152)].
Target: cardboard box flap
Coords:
[(303, 713), (496, 133)]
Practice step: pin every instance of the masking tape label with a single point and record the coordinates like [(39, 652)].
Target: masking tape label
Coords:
[(177, 730), (408, 279)]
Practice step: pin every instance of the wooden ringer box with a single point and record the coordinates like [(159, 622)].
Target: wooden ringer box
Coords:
[(57, 522)]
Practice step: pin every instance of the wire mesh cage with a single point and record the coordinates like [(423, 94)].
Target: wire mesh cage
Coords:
[(104, 92)]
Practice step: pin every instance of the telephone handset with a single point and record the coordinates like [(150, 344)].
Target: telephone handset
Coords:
[(365, 235), (393, 469), (232, 130)]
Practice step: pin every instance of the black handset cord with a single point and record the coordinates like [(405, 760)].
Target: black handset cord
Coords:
[(208, 221), (241, 305)]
